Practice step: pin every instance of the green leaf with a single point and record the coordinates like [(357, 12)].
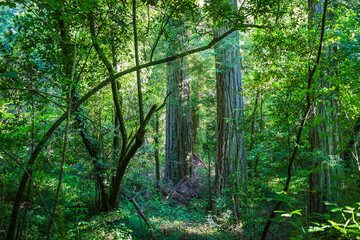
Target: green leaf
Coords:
[(296, 212), (317, 229), (286, 215), (336, 209), (330, 203), (350, 208)]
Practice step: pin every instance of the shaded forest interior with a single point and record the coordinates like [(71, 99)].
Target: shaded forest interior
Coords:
[(179, 119)]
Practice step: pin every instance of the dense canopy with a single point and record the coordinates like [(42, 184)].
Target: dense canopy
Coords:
[(179, 119)]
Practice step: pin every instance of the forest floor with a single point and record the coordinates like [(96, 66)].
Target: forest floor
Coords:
[(175, 213), (178, 212), (181, 212)]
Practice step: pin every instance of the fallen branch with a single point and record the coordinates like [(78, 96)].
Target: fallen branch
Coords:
[(179, 184), (141, 213)]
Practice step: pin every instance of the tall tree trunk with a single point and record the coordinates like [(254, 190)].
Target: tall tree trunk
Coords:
[(156, 155), (302, 125), (323, 136), (195, 119), (178, 152), (315, 176), (253, 118), (230, 156)]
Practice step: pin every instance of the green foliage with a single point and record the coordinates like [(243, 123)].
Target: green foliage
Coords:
[(343, 221), (104, 226)]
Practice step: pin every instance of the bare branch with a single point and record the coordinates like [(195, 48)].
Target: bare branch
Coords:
[(164, 103), (161, 32)]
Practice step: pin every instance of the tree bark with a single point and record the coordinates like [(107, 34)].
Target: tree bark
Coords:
[(230, 156), (178, 149), (322, 137), (195, 119), (156, 155)]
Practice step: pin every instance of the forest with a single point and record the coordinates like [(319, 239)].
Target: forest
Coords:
[(179, 119)]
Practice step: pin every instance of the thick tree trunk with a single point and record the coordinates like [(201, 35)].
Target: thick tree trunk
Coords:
[(316, 177), (322, 137), (178, 152), (230, 159)]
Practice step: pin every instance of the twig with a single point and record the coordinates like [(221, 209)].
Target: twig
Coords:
[(162, 31)]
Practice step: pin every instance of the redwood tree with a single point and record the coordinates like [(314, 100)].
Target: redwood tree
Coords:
[(178, 150), (230, 156)]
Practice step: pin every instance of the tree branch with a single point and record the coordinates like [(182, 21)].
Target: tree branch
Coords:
[(138, 79), (99, 50), (162, 30)]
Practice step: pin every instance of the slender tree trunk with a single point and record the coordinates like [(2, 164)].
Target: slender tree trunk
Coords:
[(138, 79), (260, 134), (63, 156), (252, 166), (156, 140), (210, 203), (134, 144), (253, 117)]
